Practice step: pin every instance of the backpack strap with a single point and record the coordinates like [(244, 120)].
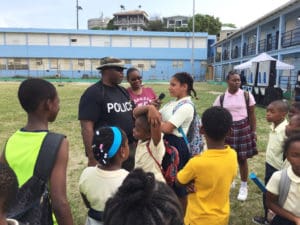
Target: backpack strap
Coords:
[(47, 155), (222, 99), (182, 103), (247, 100), (152, 156), (284, 187), (183, 135), (180, 130)]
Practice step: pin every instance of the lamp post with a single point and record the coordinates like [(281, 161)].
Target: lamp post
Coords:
[(77, 12), (193, 41)]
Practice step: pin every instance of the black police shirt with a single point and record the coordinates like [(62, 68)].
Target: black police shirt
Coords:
[(107, 106)]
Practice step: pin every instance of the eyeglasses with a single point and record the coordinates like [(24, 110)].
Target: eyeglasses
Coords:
[(136, 78)]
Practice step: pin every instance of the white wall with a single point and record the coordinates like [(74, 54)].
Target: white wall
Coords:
[(143, 42), (81, 40), (1, 38), (59, 40), (37, 39), (119, 41), (100, 41), (159, 42), (15, 39), (179, 42)]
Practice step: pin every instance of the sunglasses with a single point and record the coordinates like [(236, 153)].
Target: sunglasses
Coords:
[(136, 78), (118, 69)]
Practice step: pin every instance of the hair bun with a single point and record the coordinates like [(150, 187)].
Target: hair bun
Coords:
[(139, 186)]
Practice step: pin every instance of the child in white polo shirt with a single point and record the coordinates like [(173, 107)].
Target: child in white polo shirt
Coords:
[(150, 148), (289, 212), (276, 115)]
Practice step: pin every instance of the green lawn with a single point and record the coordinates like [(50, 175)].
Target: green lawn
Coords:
[(13, 117)]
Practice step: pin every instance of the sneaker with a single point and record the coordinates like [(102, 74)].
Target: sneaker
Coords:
[(243, 194), (260, 220)]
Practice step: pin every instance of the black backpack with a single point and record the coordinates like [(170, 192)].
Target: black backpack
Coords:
[(32, 205)]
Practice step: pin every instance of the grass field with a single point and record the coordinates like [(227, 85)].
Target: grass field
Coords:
[(13, 117)]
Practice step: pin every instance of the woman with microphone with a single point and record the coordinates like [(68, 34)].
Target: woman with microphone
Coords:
[(140, 94)]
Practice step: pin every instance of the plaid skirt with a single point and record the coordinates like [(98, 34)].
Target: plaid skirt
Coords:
[(242, 139)]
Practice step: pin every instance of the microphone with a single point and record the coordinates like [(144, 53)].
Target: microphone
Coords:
[(161, 96)]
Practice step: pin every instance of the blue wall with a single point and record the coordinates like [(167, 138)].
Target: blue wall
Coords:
[(163, 57)]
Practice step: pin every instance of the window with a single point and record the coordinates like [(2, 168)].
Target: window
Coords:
[(178, 23), (2, 64), (298, 21), (152, 63), (39, 62), (127, 61), (177, 64), (17, 64), (140, 65), (80, 62)]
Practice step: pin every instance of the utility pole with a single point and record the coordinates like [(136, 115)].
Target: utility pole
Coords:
[(77, 24), (77, 12), (193, 42)]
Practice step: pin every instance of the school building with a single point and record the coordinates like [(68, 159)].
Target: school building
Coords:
[(277, 33), (76, 53)]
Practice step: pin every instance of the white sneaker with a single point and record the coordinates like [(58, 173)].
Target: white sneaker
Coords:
[(243, 194)]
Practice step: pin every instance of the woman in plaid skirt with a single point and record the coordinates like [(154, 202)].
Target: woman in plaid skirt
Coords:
[(242, 138)]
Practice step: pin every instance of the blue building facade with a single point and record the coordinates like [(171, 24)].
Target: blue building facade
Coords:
[(77, 53), (276, 33)]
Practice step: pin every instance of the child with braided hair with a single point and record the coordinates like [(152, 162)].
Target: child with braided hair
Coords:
[(98, 183), (142, 200)]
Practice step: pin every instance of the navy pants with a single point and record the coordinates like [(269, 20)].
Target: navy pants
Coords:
[(269, 170), (278, 220)]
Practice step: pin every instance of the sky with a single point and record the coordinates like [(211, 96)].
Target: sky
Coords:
[(61, 14)]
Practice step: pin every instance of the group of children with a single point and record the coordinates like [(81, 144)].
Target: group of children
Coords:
[(282, 153), (112, 194), (204, 177)]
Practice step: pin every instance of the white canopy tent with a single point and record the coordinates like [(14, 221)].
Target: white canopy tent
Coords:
[(264, 57), (283, 66)]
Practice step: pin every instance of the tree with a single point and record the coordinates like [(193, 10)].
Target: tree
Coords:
[(229, 25), (111, 26), (96, 28), (155, 25), (206, 23)]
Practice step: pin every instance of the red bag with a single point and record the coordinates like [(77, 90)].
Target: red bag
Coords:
[(170, 162)]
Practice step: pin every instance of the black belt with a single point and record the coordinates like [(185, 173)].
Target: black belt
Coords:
[(96, 215)]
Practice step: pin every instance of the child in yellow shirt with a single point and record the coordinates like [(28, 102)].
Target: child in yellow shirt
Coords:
[(211, 173)]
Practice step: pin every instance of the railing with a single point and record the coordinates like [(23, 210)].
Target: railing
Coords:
[(210, 60), (218, 58), (287, 83), (235, 53), (128, 22), (266, 45), (291, 38), (225, 55), (262, 46), (250, 49)]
